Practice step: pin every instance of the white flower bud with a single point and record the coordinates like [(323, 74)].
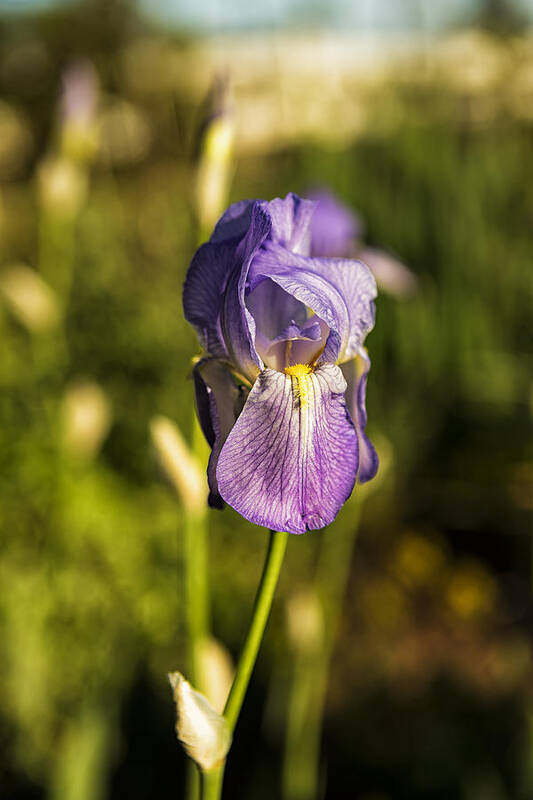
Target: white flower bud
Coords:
[(63, 187), (29, 298), (86, 419), (204, 734)]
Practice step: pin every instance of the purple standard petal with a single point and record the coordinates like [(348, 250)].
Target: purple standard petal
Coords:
[(356, 374), (237, 323), (203, 293), (334, 227), (219, 401), (339, 291), (291, 222), (290, 461), (213, 294), (234, 222)]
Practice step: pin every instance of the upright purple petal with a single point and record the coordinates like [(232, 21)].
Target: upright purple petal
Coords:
[(334, 226), (213, 294), (203, 294), (291, 222), (234, 222), (339, 291), (290, 461), (237, 323), (219, 401), (356, 374)]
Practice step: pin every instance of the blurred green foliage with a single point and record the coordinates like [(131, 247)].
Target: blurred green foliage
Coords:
[(435, 638)]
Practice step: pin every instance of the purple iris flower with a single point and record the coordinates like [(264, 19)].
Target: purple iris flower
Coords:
[(281, 392), (338, 231)]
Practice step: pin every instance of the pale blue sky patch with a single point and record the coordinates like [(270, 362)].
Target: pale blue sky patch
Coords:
[(227, 15)]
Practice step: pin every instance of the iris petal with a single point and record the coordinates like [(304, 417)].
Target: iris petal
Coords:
[(219, 402), (213, 294), (291, 222), (334, 226), (203, 293), (238, 324), (291, 458), (273, 309), (356, 374), (339, 291), (234, 222)]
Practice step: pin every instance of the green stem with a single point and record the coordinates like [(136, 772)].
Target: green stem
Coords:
[(57, 254), (263, 602), (196, 600), (196, 536), (196, 610), (195, 567), (211, 782)]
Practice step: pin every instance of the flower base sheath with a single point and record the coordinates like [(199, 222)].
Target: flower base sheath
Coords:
[(281, 392)]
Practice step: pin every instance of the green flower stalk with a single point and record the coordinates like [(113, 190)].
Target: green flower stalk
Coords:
[(184, 472), (211, 783), (205, 734)]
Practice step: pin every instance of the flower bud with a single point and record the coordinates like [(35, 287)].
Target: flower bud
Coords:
[(214, 168), (29, 298), (204, 734), (179, 464), (63, 187), (79, 131), (86, 419)]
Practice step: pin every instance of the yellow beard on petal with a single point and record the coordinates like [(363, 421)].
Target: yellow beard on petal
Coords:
[(301, 381)]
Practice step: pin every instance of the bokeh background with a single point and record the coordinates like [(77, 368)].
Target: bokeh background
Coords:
[(420, 116)]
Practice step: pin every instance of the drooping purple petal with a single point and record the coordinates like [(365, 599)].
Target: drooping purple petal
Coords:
[(291, 459), (334, 226), (219, 401), (291, 222), (339, 291), (356, 374)]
